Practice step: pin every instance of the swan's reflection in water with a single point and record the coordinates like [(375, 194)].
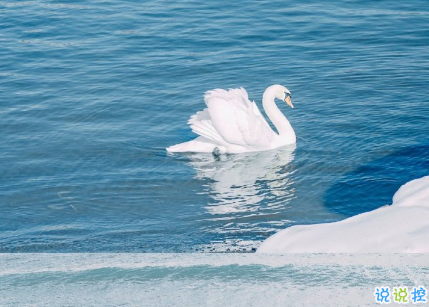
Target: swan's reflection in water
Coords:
[(249, 191)]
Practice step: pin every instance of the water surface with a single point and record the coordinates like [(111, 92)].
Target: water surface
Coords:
[(92, 93)]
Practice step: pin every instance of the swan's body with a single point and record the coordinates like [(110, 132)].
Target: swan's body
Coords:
[(232, 123)]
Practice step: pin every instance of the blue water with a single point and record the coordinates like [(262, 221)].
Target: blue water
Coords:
[(92, 92)]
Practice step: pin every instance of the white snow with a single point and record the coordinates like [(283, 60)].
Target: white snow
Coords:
[(402, 227)]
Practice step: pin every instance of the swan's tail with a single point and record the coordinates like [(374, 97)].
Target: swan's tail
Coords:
[(178, 148), (200, 144)]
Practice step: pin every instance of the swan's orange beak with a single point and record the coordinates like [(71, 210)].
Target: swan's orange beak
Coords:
[(289, 101)]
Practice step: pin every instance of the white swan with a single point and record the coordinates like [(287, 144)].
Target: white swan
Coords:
[(232, 123)]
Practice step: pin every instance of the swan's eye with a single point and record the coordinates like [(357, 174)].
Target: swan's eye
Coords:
[(288, 95)]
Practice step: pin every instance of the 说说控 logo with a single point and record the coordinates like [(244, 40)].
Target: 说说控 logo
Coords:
[(400, 295)]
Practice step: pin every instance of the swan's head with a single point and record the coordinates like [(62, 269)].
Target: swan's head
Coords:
[(281, 92)]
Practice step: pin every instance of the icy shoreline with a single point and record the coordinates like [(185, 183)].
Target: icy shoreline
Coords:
[(402, 227), (215, 280)]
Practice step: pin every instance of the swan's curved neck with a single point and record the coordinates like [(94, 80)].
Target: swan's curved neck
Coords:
[(280, 121)]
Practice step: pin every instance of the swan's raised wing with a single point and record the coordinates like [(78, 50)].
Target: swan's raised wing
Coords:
[(201, 124), (231, 118)]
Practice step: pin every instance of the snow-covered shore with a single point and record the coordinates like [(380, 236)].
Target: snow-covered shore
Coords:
[(402, 227)]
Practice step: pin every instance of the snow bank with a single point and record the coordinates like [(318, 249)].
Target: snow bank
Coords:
[(402, 227)]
